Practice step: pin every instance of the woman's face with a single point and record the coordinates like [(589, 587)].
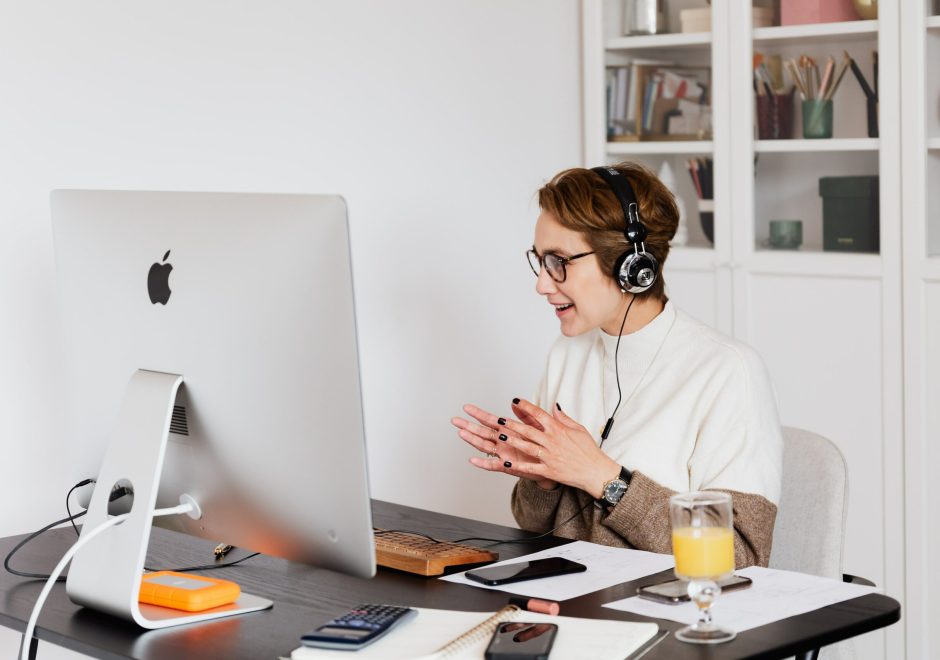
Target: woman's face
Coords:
[(588, 298)]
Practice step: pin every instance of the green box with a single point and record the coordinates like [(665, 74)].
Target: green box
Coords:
[(850, 213)]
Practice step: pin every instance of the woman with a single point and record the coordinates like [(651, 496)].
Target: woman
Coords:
[(638, 400)]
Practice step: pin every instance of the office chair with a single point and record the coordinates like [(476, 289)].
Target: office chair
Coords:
[(809, 532)]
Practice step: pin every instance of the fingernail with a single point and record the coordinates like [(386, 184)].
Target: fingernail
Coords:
[(501, 421), (502, 436), (515, 400), (558, 405), (507, 464)]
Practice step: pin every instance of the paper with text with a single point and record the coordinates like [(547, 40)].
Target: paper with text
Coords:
[(606, 566), (775, 595)]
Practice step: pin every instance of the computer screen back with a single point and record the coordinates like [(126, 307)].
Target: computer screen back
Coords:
[(249, 297)]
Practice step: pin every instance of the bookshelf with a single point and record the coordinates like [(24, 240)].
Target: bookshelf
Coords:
[(741, 286)]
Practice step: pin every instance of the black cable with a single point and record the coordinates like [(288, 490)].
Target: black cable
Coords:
[(610, 421), (483, 538), (379, 532), (115, 495), (6, 561), (68, 508), (531, 538), (204, 567)]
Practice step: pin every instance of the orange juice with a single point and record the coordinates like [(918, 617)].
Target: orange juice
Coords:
[(703, 552)]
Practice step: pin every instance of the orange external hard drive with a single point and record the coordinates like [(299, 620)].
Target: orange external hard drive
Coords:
[(192, 593)]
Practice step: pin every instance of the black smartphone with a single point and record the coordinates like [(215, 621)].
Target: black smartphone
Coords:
[(677, 591), (525, 570), (517, 640)]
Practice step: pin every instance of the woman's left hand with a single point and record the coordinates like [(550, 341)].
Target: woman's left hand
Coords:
[(561, 450)]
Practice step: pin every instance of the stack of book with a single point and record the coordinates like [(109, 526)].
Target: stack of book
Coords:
[(652, 100)]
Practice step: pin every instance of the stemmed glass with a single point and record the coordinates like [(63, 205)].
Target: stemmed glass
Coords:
[(703, 544)]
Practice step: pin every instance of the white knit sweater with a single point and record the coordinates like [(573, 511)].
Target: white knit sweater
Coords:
[(698, 409)]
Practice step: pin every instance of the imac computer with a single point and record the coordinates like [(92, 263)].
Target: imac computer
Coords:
[(211, 357)]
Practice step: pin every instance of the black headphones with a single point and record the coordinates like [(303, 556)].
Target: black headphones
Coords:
[(635, 270)]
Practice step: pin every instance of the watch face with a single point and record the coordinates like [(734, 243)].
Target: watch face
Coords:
[(614, 490)]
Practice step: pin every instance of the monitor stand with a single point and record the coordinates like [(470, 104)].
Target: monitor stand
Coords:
[(105, 575)]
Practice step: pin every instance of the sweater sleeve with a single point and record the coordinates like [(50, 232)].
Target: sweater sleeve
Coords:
[(642, 519), (534, 507)]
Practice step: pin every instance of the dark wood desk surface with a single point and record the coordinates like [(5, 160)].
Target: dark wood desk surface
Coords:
[(305, 597)]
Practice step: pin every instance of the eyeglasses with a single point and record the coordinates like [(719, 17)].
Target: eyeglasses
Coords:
[(556, 265)]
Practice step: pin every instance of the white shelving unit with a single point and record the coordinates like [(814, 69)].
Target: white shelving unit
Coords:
[(847, 336), (920, 135)]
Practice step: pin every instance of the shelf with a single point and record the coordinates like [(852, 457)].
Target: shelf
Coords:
[(805, 262), (660, 147), (797, 34), (933, 143), (828, 145), (677, 41), (690, 257), (933, 23)]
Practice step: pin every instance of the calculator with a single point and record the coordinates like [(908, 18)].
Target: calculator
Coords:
[(359, 627)]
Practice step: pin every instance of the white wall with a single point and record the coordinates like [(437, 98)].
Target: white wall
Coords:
[(436, 120)]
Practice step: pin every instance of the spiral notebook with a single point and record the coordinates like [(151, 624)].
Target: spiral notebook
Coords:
[(451, 635)]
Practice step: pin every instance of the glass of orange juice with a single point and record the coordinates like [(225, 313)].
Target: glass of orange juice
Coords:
[(703, 543)]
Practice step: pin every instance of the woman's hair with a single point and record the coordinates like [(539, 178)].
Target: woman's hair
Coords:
[(581, 200)]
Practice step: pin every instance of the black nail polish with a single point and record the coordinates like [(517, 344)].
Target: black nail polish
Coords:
[(502, 436), (558, 405), (515, 400), (501, 421), (507, 464)]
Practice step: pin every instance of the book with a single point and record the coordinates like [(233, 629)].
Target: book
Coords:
[(452, 635)]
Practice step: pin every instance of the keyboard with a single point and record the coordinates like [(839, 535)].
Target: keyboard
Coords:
[(417, 554)]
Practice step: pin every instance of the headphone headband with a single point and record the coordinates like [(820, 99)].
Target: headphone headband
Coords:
[(623, 191), (635, 270)]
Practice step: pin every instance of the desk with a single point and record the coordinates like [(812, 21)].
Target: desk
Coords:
[(305, 597)]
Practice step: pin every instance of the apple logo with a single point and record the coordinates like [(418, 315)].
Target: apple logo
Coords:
[(158, 281)]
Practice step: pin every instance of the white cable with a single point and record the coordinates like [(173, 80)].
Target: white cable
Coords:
[(67, 557)]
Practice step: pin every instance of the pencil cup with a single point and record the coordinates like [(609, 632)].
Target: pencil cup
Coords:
[(706, 214), (817, 119), (775, 116)]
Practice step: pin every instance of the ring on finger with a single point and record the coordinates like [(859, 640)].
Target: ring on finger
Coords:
[(539, 455)]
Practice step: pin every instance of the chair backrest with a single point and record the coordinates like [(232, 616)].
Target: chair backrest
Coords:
[(810, 526)]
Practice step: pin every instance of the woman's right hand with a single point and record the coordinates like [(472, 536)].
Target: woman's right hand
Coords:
[(485, 437)]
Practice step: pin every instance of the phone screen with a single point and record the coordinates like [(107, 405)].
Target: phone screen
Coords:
[(521, 640), (525, 570), (677, 591)]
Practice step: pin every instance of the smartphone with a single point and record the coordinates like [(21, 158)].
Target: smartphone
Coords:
[(525, 570), (517, 640), (677, 591)]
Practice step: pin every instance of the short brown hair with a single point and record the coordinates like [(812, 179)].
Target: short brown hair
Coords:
[(583, 201)]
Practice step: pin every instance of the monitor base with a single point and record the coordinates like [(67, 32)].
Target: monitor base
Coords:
[(105, 575)]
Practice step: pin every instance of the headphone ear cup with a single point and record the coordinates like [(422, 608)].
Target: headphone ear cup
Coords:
[(639, 271), (622, 269)]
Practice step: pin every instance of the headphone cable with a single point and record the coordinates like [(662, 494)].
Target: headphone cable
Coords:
[(610, 420)]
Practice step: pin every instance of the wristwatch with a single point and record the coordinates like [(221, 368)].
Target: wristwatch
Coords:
[(615, 488)]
